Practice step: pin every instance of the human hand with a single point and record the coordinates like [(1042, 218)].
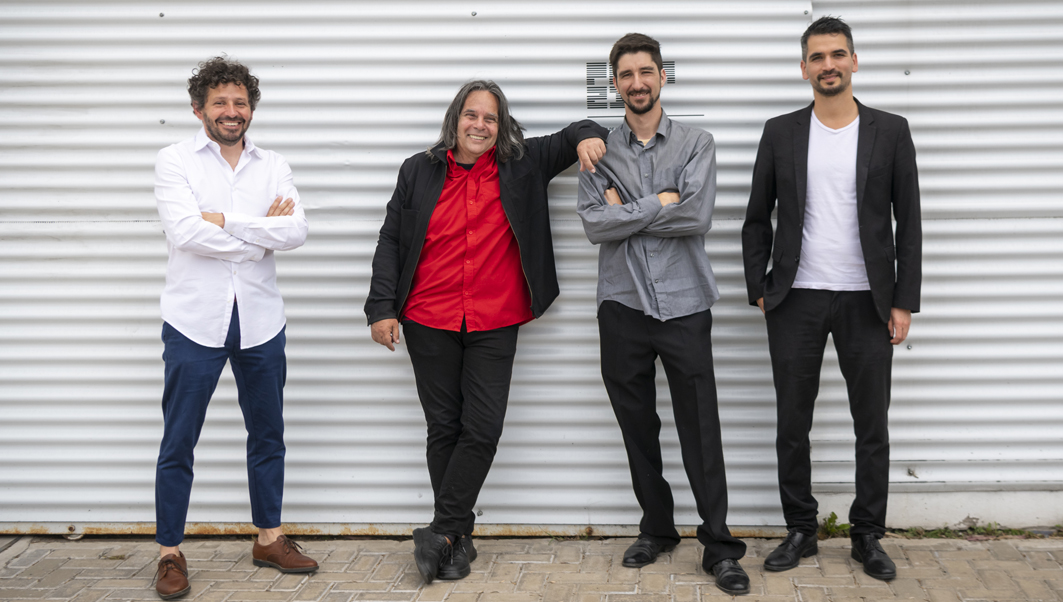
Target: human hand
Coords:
[(900, 321), (386, 332), (281, 208), (218, 219), (667, 198), (760, 304), (612, 197), (590, 152)]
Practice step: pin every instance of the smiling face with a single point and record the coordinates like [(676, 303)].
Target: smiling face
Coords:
[(639, 81), (477, 126), (226, 114), (829, 65)]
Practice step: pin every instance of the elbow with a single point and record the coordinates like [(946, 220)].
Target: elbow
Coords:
[(183, 239)]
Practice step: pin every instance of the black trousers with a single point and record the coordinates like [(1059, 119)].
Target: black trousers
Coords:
[(797, 335), (631, 341), (463, 383)]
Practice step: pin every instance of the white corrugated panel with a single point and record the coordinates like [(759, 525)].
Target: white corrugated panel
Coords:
[(90, 91)]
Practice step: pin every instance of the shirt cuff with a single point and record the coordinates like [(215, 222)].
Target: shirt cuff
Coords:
[(650, 204), (237, 225)]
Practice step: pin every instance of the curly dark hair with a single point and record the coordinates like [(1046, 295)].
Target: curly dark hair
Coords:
[(217, 71)]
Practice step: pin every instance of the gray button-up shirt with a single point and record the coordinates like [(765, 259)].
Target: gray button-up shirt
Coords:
[(652, 258)]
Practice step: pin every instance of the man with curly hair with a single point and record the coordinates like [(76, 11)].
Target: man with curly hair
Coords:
[(226, 206)]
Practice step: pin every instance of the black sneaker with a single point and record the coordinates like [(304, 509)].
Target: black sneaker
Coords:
[(457, 566), (430, 551)]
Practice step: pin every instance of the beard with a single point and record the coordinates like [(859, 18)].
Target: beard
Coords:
[(220, 136), (643, 109), (836, 90)]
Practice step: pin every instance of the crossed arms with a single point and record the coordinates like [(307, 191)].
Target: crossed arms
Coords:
[(611, 212), (231, 236)]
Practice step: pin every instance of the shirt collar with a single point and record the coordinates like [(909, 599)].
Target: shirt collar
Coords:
[(664, 128), (481, 163), (202, 140)]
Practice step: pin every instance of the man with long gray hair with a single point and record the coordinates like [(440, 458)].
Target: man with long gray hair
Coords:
[(463, 259)]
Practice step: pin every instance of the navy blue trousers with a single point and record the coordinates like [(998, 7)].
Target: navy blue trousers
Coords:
[(192, 373)]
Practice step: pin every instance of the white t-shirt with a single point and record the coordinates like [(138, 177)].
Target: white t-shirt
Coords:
[(831, 257)]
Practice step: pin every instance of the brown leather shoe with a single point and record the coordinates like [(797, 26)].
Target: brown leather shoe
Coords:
[(284, 555), (171, 578)]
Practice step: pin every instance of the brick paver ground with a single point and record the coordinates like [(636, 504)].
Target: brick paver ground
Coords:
[(530, 570)]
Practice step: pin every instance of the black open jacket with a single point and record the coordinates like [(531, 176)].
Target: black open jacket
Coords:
[(523, 185)]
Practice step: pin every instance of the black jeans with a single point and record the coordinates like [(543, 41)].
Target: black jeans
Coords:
[(631, 341), (463, 383), (797, 335)]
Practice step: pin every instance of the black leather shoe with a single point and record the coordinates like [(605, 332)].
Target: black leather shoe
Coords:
[(457, 566), (877, 563), (790, 552), (430, 551), (730, 576), (644, 551)]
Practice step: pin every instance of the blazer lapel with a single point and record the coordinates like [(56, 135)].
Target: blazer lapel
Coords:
[(865, 142), (801, 125)]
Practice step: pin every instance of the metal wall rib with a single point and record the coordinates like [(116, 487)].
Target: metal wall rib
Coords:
[(90, 91)]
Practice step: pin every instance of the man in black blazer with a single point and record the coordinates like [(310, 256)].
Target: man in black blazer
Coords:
[(839, 173)]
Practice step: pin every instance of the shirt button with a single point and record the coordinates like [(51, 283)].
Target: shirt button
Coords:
[(645, 175), (652, 254), (468, 261), (655, 280)]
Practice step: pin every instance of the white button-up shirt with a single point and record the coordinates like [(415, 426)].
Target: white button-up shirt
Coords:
[(210, 266)]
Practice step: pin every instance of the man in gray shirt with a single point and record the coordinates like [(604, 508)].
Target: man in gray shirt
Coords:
[(649, 204)]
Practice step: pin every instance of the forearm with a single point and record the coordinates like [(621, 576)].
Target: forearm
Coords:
[(278, 233), (696, 185), (604, 222), (194, 235)]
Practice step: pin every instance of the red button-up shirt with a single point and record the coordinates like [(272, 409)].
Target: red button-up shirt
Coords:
[(469, 267)]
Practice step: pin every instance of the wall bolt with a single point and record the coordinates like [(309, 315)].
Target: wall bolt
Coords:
[(164, 121), (909, 347), (162, 14), (806, 12), (907, 72), (474, 13), (479, 512)]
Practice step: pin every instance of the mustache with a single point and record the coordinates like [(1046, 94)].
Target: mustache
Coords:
[(829, 73)]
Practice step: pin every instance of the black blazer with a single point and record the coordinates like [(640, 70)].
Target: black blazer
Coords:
[(887, 187), (522, 184)]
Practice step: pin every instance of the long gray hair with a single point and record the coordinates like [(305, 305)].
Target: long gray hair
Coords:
[(510, 143)]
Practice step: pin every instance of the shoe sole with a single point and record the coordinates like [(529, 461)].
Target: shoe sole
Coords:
[(175, 595), (428, 572), (880, 576), (444, 577), (734, 592), (776, 569), (639, 565), (257, 562)]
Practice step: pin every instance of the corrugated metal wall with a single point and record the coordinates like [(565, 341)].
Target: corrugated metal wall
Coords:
[(90, 91)]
